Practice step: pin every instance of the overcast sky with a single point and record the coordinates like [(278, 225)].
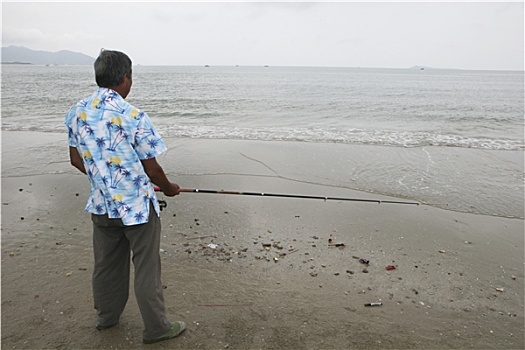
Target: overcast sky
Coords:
[(468, 35)]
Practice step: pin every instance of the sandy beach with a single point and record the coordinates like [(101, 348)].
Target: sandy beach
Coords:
[(256, 272)]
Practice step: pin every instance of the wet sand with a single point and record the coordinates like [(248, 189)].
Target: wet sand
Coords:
[(257, 272)]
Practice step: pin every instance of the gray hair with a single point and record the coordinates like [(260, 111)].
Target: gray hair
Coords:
[(111, 67)]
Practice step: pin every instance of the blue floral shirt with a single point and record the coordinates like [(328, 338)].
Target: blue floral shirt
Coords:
[(112, 137)]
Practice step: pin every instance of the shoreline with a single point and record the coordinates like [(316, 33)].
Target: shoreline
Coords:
[(435, 176), (246, 272)]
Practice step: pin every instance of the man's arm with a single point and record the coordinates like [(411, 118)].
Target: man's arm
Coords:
[(76, 159), (158, 177)]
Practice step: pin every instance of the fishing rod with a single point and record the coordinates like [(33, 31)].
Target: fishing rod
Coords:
[(282, 195)]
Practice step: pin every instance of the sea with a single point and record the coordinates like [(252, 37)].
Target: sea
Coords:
[(454, 138)]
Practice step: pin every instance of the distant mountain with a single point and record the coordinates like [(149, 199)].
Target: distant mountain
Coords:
[(20, 54)]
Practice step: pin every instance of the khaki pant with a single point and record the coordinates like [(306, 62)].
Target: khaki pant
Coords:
[(112, 244)]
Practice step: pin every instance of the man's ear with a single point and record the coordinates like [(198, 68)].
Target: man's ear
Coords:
[(129, 77)]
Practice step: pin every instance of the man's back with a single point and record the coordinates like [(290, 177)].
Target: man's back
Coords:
[(113, 137)]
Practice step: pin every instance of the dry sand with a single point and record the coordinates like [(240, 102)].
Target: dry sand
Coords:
[(273, 281)]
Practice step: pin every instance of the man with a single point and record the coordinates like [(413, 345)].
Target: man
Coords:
[(116, 145)]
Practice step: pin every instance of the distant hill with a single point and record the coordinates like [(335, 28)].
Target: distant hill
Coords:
[(21, 55)]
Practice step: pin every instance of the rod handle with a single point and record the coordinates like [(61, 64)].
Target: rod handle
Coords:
[(186, 190), (157, 189)]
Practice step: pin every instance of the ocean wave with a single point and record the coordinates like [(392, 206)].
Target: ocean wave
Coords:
[(389, 138), (349, 136)]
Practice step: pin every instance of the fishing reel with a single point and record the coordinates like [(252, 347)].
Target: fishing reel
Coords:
[(162, 203)]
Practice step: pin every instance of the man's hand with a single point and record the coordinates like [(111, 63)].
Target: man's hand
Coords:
[(172, 190)]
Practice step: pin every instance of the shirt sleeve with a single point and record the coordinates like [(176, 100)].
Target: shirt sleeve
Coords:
[(148, 143), (71, 135)]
